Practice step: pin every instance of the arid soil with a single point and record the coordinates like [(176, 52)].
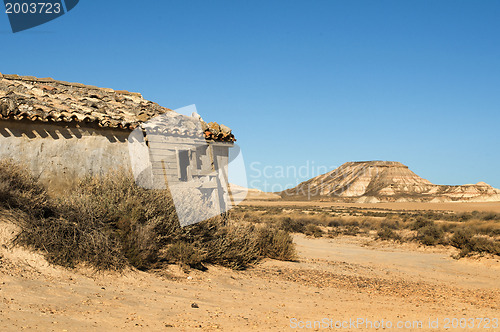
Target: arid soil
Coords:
[(339, 279)]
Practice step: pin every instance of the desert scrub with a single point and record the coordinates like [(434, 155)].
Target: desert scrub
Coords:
[(21, 191), (291, 225), (421, 222), (275, 243), (390, 224), (106, 222), (110, 223), (313, 230), (238, 245), (430, 235), (68, 243), (387, 234), (185, 254), (335, 223), (468, 242)]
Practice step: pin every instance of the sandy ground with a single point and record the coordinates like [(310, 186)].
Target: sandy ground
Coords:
[(457, 207), (339, 279)]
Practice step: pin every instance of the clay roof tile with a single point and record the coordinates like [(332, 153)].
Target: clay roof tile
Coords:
[(45, 99)]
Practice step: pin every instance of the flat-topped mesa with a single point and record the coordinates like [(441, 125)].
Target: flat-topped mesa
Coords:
[(377, 163), (378, 180)]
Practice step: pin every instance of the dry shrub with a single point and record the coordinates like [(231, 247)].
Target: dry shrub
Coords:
[(19, 190), (185, 254), (313, 230), (335, 223), (68, 243), (106, 222), (231, 245), (351, 230), (109, 223), (485, 245), (291, 225), (467, 242), (430, 235), (421, 222), (426, 227), (238, 245), (139, 220), (275, 243), (490, 227), (390, 224), (387, 234)]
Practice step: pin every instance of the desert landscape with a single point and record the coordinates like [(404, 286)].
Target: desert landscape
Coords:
[(364, 265), (386, 181), (342, 278), (249, 166), (368, 245)]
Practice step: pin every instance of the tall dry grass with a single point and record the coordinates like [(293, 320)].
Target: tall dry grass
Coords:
[(110, 223)]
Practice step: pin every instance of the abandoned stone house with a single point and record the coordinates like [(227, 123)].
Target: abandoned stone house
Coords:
[(63, 131)]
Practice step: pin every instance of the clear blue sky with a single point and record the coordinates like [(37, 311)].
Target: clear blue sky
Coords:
[(319, 81)]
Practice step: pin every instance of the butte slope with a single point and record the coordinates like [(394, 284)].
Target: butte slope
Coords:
[(374, 181)]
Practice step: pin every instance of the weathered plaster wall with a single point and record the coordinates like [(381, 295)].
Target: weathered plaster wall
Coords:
[(60, 154)]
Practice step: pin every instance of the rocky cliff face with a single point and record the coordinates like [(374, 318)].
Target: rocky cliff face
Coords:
[(374, 181)]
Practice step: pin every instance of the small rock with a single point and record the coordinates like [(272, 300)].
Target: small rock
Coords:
[(194, 305)]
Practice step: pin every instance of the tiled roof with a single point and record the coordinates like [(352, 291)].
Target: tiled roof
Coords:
[(48, 100)]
